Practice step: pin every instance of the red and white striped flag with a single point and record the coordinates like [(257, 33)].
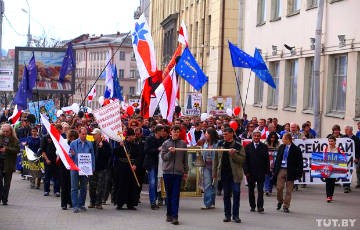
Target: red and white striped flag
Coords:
[(15, 115), (92, 94), (166, 94), (183, 35), (61, 145)]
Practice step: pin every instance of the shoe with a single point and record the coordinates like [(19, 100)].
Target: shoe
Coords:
[(267, 194), (76, 210), (57, 194), (286, 210), (278, 206), (99, 207), (83, 209), (131, 208), (175, 221), (5, 203), (91, 206), (207, 208), (153, 206), (260, 210), (46, 193), (328, 199), (64, 208), (168, 219), (237, 220), (331, 198), (252, 210), (119, 208), (227, 219), (37, 187), (357, 186)]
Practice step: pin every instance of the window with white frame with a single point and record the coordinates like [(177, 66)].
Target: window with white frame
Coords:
[(293, 6), (261, 12), (275, 9), (259, 91), (121, 73), (309, 84), (311, 4), (338, 83), (273, 98), (291, 83)]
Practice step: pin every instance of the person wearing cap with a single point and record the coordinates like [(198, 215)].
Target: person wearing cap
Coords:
[(97, 182)]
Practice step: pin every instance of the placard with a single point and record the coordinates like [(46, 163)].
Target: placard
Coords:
[(193, 104), (217, 105), (85, 164)]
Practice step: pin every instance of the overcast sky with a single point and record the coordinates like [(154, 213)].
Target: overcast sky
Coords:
[(65, 19)]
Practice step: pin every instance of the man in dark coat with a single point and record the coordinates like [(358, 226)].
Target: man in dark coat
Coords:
[(256, 166), (288, 168)]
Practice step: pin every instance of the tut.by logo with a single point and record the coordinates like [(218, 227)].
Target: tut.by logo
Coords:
[(337, 223)]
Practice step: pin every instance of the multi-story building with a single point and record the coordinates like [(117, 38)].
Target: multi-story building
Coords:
[(271, 24), (210, 23), (91, 59)]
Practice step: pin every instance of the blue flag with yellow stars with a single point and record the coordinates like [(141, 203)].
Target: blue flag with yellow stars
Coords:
[(241, 59), (188, 69)]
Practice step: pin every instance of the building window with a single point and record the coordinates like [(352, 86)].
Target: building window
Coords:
[(310, 4), (275, 10), (132, 90), (293, 7), (338, 84), (309, 84), (291, 83), (121, 73), (259, 92), (122, 55), (273, 98), (134, 74), (133, 56), (261, 12)]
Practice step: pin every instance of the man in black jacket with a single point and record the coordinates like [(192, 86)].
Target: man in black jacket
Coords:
[(288, 168), (152, 149), (256, 166)]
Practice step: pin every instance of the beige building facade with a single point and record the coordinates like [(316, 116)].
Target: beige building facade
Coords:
[(271, 24)]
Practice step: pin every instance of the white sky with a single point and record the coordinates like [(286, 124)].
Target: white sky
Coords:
[(65, 19)]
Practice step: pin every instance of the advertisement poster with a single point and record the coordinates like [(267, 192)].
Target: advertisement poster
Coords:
[(6, 80)]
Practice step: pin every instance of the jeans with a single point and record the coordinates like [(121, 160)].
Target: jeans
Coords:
[(209, 188), (268, 183), (172, 187), (78, 200), (152, 174), (230, 187), (51, 173)]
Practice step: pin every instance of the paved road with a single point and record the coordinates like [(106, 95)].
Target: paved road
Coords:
[(29, 209)]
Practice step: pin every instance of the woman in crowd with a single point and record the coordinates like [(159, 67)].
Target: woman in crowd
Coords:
[(272, 143), (286, 129)]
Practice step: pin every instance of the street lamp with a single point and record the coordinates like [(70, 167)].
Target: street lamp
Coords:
[(28, 34)]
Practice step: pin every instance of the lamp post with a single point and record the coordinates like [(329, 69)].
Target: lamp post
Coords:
[(28, 34), (2, 10)]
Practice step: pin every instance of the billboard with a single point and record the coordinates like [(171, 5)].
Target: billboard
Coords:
[(6, 80), (48, 63)]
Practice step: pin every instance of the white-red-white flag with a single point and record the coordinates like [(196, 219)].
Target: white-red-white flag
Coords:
[(61, 145), (166, 94), (183, 35), (92, 94), (15, 115)]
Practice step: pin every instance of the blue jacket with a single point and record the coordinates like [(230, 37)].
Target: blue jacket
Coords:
[(76, 146)]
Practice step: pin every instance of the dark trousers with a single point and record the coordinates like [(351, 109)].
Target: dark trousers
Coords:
[(330, 186), (65, 187), (172, 187), (97, 183), (109, 186), (5, 181), (260, 189), (51, 173), (231, 188)]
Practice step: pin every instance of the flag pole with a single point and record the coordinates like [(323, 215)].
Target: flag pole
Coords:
[(247, 91), (126, 36), (238, 87)]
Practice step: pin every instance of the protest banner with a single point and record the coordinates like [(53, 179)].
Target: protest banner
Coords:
[(47, 107), (193, 104), (329, 165), (109, 120), (217, 105), (85, 164)]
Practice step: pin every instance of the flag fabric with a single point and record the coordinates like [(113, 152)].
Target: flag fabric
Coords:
[(241, 59), (15, 117), (109, 78), (32, 74), (144, 50), (61, 145), (263, 74), (23, 91), (68, 64), (117, 89), (92, 93), (188, 69), (172, 62), (148, 97), (166, 95), (183, 35), (30, 155)]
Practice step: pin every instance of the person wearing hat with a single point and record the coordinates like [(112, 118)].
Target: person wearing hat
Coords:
[(97, 182)]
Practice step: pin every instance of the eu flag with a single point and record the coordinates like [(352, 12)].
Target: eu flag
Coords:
[(68, 63), (117, 89), (241, 59), (188, 69), (263, 74), (32, 75), (23, 91)]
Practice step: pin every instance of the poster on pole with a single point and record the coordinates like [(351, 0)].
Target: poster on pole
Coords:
[(109, 120), (85, 164), (217, 105), (193, 104)]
